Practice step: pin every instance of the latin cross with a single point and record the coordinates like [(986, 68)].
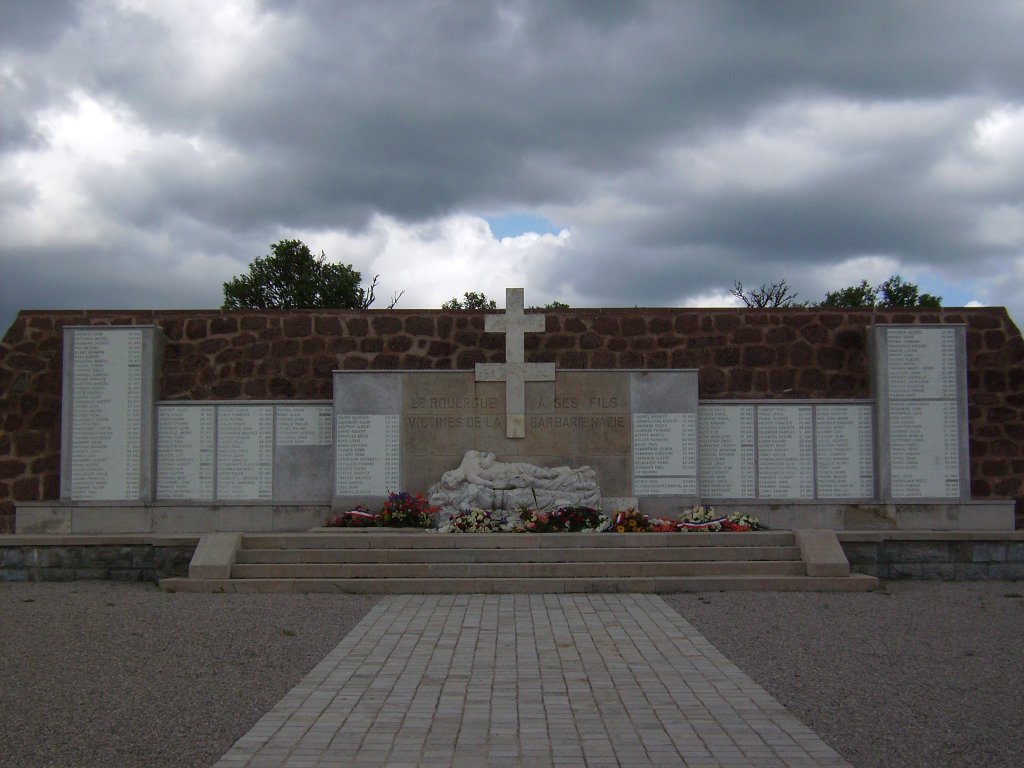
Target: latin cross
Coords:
[(515, 372)]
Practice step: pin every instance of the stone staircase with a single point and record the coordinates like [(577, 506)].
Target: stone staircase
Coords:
[(421, 562)]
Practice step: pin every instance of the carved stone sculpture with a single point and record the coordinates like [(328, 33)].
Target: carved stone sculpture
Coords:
[(483, 482)]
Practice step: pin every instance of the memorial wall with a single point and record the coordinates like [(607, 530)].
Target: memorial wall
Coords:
[(644, 432), (637, 429), (787, 360)]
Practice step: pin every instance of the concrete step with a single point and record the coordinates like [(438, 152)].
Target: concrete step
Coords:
[(517, 555), (418, 539), (852, 583), (517, 570)]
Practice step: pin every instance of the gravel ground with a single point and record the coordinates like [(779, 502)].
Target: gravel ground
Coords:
[(918, 674), (114, 674), (103, 674)]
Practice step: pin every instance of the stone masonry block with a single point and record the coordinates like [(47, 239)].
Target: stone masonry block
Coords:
[(1013, 571), (904, 571), (970, 571), (861, 553), (925, 552), (989, 553), (943, 571)]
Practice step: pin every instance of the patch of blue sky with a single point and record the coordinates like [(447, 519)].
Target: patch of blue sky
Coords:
[(515, 224), (954, 293)]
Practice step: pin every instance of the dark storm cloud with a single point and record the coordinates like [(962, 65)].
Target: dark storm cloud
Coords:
[(35, 23), (319, 115)]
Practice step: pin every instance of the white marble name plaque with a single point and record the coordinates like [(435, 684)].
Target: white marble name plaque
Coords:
[(922, 363), (664, 459), (924, 462), (727, 451), (245, 452), (785, 452), (844, 453), (303, 425), (185, 452), (106, 439), (367, 454)]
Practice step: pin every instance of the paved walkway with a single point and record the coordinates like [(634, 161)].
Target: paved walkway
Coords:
[(527, 680)]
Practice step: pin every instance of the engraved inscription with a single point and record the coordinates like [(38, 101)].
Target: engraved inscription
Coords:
[(303, 424), (785, 452), (922, 363), (106, 436), (924, 444), (367, 454), (185, 452), (726, 442), (245, 452), (924, 461), (664, 459), (844, 454)]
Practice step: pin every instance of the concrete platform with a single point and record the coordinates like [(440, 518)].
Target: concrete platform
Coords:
[(527, 680), (853, 583), (397, 563)]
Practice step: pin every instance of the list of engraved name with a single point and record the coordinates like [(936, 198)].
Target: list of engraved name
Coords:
[(245, 452), (185, 451), (367, 454), (106, 433)]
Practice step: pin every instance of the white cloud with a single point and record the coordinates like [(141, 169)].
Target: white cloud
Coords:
[(437, 260), (212, 45), (711, 299), (989, 158), (874, 269), (801, 142), (86, 133)]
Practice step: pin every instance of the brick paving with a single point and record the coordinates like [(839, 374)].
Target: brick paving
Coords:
[(527, 680)]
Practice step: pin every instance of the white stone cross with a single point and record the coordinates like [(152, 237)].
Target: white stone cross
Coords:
[(515, 372)]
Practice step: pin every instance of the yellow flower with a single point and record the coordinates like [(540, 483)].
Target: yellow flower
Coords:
[(620, 529)]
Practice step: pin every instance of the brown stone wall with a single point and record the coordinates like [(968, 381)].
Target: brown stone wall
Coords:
[(747, 353)]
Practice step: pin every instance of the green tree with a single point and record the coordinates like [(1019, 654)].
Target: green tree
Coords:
[(471, 300), (292, 277), (862, 295), (556, 304), (892, 293)]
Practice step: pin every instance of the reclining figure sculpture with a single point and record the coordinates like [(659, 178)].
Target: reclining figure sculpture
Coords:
[(482, 482)]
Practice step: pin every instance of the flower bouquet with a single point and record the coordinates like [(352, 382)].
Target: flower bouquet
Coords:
[(533, 521), (701, 518), (405, 509), (738, 522), (578, 518), (360, 517), (630, 521), (660, 525), (473, 521)]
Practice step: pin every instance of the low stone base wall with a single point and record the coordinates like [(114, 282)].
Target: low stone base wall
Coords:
[(73, 558), (167, 517), (953, 555), (960, 555), (975, 515), (170, 518)]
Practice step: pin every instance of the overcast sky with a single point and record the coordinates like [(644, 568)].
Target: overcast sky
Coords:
[(595, 152)]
